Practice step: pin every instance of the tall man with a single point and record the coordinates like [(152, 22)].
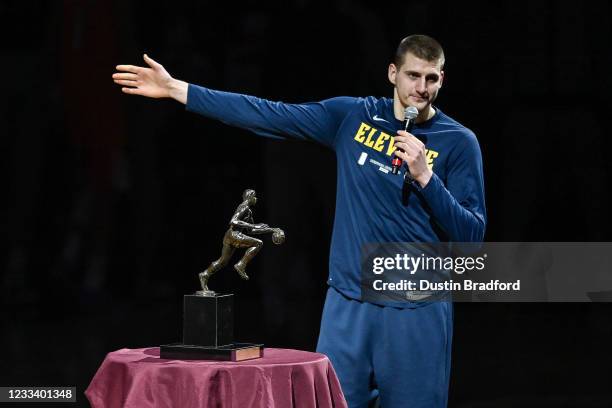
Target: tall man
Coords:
[(397, 350)]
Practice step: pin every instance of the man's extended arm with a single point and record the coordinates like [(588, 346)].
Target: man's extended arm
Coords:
[(316, 121)]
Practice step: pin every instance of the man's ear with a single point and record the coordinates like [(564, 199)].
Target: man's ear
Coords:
[(441, 78), (392, 73)]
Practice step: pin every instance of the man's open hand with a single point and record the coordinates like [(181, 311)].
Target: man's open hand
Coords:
[(153, 81)]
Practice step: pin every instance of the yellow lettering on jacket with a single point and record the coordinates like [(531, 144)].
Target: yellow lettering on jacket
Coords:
[(379, 145), (359, 136), (369, 142), (431, 155), (391, 148), (377, 140)]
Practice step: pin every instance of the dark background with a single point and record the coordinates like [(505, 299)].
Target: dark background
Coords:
[(114, 203)]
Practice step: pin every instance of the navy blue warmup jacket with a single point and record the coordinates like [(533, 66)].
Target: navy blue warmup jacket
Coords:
[(369, 207)]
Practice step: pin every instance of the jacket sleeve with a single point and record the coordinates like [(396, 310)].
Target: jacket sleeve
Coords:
[(316, 121), (459, 206)]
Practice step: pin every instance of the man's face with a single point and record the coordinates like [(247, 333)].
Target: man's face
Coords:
[(417, 81)]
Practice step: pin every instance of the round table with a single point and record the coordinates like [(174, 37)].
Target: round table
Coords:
[(283, 378)]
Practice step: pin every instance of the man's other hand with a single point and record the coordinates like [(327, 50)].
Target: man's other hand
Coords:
[(412, 151)]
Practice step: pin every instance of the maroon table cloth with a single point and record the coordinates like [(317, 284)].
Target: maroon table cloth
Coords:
[(281, 379)]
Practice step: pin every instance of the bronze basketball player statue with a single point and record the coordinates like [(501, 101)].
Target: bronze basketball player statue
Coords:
[(241, 224)]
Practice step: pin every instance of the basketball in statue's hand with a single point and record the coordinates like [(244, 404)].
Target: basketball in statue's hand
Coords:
[(278, 236)]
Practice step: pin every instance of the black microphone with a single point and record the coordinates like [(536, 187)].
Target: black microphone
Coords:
[(410, 115)]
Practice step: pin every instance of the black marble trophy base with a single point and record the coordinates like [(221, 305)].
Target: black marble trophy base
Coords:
[(208, 320), (208, 332)]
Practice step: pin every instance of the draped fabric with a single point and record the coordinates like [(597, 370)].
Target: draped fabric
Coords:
[(281, 379)]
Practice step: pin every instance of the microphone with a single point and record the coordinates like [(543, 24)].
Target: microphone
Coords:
[(409, 115)]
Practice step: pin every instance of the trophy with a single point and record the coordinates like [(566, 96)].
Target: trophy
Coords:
[(208, 317)]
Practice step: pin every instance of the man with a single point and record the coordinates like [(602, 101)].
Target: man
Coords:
[(399, 351)]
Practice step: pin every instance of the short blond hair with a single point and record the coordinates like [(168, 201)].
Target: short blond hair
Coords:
[(421, 46)]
